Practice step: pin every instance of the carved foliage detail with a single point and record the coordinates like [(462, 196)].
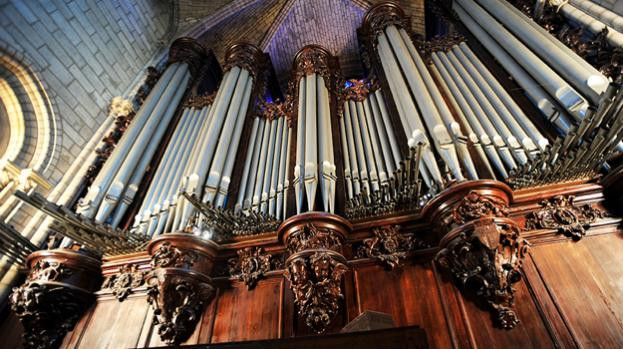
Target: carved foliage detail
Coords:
[(178, 302), (168, 256), (389, 246), (312, 60), (316, 283), (312, 237), (561, 214), (128, 278), (485, 261), (251, 265), (46, 309), (476, 205)]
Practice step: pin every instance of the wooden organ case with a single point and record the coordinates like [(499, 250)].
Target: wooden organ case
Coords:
[(415, 193)]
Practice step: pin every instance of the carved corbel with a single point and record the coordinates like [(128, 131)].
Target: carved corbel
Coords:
[(484, 258), (57, 291), (389, 246), (179, 285), (476, 205), (316, 265), (251, 265), (561, 214)]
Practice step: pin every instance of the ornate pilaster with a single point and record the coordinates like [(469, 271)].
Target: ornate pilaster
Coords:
[(58, 289), (179, 285), (484, 258), (561, 214), (316, 265)]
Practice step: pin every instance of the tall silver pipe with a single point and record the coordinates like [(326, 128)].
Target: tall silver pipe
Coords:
[(374, 138), (311, 151), (90, 203), (366, 143), (346, 152), (325, 147), (359, 149), (299, 169), (263, 128), (379, 102), (247, 163), (268, 166), (540, 71), (269, 130), (352, 149), (276, 161)]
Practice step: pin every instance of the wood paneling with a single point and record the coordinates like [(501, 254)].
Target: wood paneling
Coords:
[(243, 314), (586, 283), (409, 294)]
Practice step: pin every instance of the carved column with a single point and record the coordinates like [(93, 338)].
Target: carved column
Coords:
[(480, 247), (179, 285), (58, 289), (316, 265)]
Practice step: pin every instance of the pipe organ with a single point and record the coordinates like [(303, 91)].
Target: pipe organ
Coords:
[(417, 191)]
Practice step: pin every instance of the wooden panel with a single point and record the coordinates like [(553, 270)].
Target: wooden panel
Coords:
[(586, 283), (248, 315), (11, 330), (409, 294), (531, 332), (115, 324)]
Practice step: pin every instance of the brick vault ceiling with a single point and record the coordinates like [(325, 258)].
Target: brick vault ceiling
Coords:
[(282, 27)]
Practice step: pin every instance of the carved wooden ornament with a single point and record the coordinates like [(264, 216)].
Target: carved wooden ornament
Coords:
[(128, 278), (485, 260), (389, 246), (561, 214), (250, 266)]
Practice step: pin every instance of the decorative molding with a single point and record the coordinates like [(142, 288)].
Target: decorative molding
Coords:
[(200, 101), (357, 90), (251, 265), (313, 59), (315, 280), (484, 260), (128, 278), (476, 205), (383, 15), (189, 51), (561, 214), (178, 302), (389, 246)]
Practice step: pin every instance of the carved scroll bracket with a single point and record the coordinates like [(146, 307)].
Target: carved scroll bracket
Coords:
[(251, 265), (484, 258), (57, 291), (561, 214), (179, 285), (316, 266)]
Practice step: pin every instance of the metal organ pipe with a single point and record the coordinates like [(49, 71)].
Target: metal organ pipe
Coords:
[(89, 205), (539, 97), (247, 163), (583, 77), (315, 162), (567, 96)]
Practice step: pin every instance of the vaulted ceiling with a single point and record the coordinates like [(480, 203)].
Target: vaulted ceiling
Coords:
[(282, 27)]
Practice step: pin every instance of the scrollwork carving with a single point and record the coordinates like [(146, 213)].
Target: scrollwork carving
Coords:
[(251, 265), (245, 56), (316, 283), (389, 246), (485, 261), (561, 214), (168, 256), (128, 278), (312, 59), (311, 237), (476, 205), (383, 15)]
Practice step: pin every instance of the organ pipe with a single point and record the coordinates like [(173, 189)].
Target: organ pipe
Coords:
[(315, 163)]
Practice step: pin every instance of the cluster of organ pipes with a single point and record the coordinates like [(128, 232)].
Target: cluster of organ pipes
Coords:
[(492, 119), (315, 158), (369, 146), (264, 184), (115, 187)]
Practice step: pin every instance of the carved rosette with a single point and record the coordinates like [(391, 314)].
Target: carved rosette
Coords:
[(316, 266), (57, 291), (122, 284), (245, 56), (381, 16), (561, 214), (484, 257), (179, 285), (389, 246), (251, 265)]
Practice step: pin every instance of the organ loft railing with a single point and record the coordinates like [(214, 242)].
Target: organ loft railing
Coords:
[(210, 160)]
